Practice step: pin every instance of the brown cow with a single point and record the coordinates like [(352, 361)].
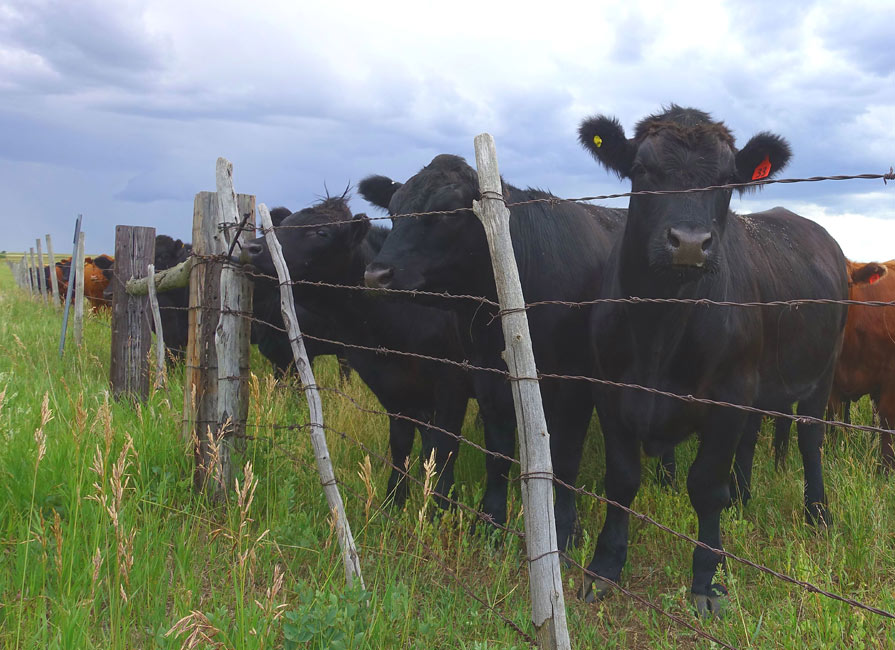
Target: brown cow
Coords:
[(97, 272), (867, 362)]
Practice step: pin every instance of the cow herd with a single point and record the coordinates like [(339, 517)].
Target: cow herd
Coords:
[(682, 250)]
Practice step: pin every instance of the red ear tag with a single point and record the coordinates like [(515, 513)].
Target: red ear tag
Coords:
[(873, 278), (762, 169)]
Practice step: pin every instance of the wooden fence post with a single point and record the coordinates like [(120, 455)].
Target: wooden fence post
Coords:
[(41, 280), (129, 373), (78, 261), (159, 332), (51, 262), (548, 609), (32, 271), (72, 271), (200, 386), (315, 407)]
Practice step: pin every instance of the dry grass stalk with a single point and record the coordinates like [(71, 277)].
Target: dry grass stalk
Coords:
[(428, 476), (200, 632), (2, 398), (272, 610), (39, 436), (366, 475)]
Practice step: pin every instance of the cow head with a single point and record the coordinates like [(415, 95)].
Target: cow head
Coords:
[(680, 235), (436, 252), (316, 241)]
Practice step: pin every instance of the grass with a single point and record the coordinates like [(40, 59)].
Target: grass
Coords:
[(104, 544)]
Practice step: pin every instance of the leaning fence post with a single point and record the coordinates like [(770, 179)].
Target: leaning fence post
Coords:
[(315, 407), (41, 280), (51, 263), (157, 322), (129, 371), (548, 609), (77, 330), (72, 271)]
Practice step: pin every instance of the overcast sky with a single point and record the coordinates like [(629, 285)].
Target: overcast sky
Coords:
[(119, 109)]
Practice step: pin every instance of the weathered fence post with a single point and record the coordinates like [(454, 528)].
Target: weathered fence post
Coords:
[(41, 281), (200, 386), (548, 609), (157, 322), (315, 407), (51, 262), (32, 270), (129, 373), (78, 261), (72, 271)]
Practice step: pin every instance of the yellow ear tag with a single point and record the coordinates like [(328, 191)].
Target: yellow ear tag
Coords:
[(598, 141)]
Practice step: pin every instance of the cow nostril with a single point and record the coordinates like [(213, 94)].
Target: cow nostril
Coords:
[(378, 278), (707, 243), (673, 239), (254, 249)]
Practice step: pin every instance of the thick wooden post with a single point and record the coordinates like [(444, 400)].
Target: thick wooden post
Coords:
[(200, 411), (41, 280), (157, 322), (548, 609), (315, 406), (129, 374), (77, 330), (51, 261)]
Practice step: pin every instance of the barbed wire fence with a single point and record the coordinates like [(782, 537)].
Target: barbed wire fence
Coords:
[(215, 431)]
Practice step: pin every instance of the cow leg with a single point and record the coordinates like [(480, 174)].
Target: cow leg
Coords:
[(449, 414), (811, 438), (622, 483), (666, 469), (741, 477), (708, 485), (401, 443), (886, 408), (571, 407)]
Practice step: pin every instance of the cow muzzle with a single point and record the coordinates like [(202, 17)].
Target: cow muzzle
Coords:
[(378, 276), (688, 247)]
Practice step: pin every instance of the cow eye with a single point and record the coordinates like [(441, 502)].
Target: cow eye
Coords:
[(323, 233), (637, 169)]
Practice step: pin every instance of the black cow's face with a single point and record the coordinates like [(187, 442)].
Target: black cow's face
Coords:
[(681, 235), (317, 242), (435, 252)]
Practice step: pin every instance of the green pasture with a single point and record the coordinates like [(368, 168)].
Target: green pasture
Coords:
[(104, 544)]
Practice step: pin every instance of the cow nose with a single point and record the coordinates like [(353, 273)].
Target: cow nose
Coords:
[(378, 276), (688, 247), (254, 249)]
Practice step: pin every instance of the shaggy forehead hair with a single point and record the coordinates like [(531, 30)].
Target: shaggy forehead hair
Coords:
[(328, 210), (688, 126)]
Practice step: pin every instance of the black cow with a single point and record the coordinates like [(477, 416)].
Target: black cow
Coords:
[(560, 251), (693, 246), (173, 304), (336, 250)]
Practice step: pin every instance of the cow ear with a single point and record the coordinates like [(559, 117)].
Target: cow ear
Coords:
[(378, 190), (605, 139), (868, 273), (762, 157), (360, 226)]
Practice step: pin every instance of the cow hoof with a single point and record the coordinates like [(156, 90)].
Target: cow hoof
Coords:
[(711, 605), (818, 516), (594, 589)]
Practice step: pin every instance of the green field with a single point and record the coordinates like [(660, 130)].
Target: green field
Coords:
[(104, 544)]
